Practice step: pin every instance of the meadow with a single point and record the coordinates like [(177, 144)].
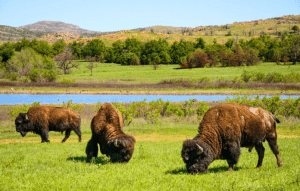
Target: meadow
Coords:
[(27, 164)]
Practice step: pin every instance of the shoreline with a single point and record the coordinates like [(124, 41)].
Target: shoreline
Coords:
[(124, 92)]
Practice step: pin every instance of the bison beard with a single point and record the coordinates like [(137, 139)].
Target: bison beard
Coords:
[(42, 119), (224, 130), (107, 131)]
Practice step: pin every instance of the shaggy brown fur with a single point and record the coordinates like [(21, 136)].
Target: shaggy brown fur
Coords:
[(107, 131), (42, 119), (224, 130)]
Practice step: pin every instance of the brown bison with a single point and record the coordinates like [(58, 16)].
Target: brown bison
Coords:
[(224, 130), (107, 132), (42, 119)]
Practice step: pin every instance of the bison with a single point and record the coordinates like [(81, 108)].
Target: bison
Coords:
[(107, 131), (224, 130), (42, 119)]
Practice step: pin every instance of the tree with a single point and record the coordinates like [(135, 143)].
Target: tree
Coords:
[(95, 48), (292, 47), (154, 51), (76, 47), (91, 65), (200, 43), (59, 47), (197, 60), (6, 51), (65, 62), (295, 28), (180, 51)]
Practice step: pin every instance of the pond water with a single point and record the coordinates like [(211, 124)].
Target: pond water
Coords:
[(11, 99)]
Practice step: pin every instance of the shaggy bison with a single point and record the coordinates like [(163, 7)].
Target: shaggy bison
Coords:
[(107, 132), (224, 130), (42, 119)]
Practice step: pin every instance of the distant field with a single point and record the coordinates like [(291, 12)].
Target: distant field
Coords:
[(115, 73)]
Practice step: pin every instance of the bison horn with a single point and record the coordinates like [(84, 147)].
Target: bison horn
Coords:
[(26, 117), (116, 143), (200, 149)]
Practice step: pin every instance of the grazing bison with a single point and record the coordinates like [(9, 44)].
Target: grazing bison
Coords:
[(42, 119), (107, 132), (224, 130)]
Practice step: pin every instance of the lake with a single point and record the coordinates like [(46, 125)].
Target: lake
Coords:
[(11, 99)]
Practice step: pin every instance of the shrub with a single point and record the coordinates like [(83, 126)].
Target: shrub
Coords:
[(67, 81), (50, 75), (246, 76), (13, 76), (274, 77), (34, 75), (21, 109)]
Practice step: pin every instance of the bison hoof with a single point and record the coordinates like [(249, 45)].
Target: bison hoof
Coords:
[(280, 164)]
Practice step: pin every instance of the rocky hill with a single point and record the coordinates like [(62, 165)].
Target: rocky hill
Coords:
[(54, 26)]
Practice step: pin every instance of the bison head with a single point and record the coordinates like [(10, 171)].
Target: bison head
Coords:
[(121, 149), (22, 123), (196, 156)]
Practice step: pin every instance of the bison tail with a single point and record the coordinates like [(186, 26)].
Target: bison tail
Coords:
[(276, 119)]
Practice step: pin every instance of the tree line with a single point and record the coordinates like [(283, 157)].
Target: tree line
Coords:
[(40, 60)]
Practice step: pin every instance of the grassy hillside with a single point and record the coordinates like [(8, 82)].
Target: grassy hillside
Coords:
[(238, 30)]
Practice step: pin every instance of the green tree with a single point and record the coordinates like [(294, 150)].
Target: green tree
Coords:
[(24, 43), (95, 48), (200, 43), (295, 28), (6, 51), (41, 47), (180, 51), (59, 47), (291, 47), (154, 51), (76, 48)]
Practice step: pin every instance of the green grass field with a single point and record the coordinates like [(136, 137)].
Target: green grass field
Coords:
[(146, 74), (27, 164)]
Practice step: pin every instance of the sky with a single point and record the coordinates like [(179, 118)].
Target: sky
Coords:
[(116, 15)]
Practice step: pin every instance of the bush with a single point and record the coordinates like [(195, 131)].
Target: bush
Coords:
[(50, 75), (13, 77), (21, 109), (274, 77), (67, 81), (34, 75)]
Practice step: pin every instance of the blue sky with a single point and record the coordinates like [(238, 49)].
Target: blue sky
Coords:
[(114, 15)]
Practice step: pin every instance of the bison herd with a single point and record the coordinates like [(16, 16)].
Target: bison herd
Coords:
[(222, 132)]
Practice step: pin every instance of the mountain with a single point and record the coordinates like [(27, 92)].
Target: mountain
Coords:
[(55, 26), (8, 33)]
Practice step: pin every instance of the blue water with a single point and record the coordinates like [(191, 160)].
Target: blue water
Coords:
[(12, 99)]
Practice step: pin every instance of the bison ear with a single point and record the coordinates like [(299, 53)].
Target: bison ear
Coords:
[(199, 149), (116, 143)]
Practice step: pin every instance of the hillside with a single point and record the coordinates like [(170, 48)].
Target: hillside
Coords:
[(54, 26), (238, 30), (8, 33)]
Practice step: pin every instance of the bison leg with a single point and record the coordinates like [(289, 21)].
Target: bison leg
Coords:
[(44, 136), (274, 147), (91, 149), (232, 154), (68, 132), (78, 132), (260, 151)]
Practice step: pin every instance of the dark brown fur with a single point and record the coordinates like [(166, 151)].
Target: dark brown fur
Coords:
[(42, 119), (224, 130), (107, 131)]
